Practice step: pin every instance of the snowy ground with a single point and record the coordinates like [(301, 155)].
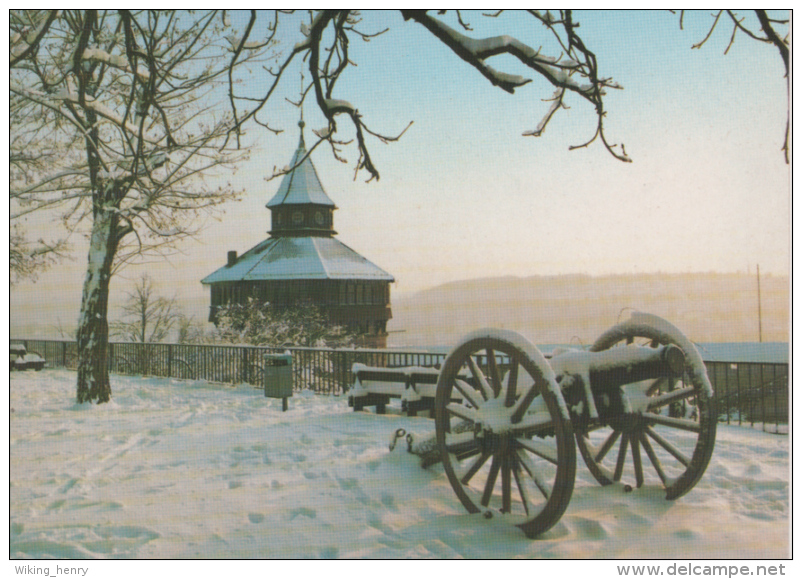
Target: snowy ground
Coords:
[(173, 469)]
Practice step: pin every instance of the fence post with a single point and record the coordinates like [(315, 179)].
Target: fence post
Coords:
[(776, 406), (170, 360), (63, 354), (244, 369), (346, 371), (340, 372), (751, 397), (762, 399)]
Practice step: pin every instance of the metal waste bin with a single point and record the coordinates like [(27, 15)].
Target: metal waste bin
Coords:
[(277, 376)]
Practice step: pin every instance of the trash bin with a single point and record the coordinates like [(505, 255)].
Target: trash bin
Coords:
[(277, 376)]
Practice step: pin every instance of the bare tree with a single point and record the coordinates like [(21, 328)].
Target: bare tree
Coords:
[(146, 316), (190, 331), (124, 106), (61, 330)]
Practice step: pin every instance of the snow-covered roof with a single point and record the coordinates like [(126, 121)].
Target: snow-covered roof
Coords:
[(301, 186), (284, 258)]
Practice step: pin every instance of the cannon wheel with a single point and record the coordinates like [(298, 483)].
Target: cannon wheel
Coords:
[(509, 446), (677, 429)]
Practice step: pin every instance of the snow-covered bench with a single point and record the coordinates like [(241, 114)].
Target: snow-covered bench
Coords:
[(373, 386), (21, 359)]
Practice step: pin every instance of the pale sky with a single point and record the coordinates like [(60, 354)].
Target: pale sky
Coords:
[(463, 195)]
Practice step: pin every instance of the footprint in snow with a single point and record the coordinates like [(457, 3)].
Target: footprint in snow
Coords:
[(590, 529), (686, 534), (304, 512), (760, 515), (56, 505), (68, 485), (347, 484), (256, 518), (388, 501)]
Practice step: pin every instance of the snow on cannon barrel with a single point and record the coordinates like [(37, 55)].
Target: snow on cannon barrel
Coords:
[(596, 374)]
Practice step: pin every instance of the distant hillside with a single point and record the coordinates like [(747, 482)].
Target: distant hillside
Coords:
[(708, 307)]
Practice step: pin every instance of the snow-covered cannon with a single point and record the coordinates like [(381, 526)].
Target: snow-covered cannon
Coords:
[(638, 404)]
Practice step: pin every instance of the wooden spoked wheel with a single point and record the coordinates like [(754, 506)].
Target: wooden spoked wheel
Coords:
[(653, 432), (507, 447)]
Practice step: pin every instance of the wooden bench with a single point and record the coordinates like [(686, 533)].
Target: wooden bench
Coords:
[(414, 385)]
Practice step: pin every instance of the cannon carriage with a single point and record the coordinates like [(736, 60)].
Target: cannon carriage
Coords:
[(508, 421)]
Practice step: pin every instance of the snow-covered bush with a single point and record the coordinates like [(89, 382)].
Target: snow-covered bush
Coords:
[(262, 324)]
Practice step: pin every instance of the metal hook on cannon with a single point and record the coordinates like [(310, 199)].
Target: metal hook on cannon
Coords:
[(395, 436)]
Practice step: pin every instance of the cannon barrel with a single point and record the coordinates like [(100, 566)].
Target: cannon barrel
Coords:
[(599, 372), (616, 367), (619, 366)]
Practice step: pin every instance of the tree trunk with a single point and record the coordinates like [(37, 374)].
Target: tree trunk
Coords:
[(93, 326)]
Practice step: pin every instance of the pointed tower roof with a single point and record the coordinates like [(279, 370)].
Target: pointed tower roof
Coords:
[(300, 251), (301, 186)]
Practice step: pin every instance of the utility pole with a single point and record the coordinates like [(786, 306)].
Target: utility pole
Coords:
[(759, 311)]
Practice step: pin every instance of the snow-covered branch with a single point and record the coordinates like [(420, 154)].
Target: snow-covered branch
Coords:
[(23, 44), (576, 71), (325, 47), (116, 60), (770, 35)]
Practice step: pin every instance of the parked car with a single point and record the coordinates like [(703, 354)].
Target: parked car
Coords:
[(21, 359)]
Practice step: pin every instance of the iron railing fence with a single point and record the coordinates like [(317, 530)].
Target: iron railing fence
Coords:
[(750, 392), (319, 369), (746, 392)]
